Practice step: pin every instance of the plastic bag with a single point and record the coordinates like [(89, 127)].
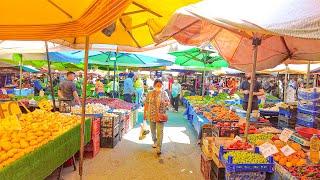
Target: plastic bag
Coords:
[(143, 130)]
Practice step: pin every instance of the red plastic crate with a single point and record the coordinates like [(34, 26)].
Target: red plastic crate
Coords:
[(95, 127), (93, 148), (205, 166)]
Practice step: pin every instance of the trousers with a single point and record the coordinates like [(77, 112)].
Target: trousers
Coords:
[(157, 132)]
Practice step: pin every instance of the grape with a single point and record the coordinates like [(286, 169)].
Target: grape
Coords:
[(253, 138), (244, 157)]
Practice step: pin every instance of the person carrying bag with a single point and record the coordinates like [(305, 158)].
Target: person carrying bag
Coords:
[(155, 108)]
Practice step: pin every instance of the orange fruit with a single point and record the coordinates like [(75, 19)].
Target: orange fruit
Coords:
[(289, 164)]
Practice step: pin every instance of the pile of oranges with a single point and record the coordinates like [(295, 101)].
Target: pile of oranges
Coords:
[(296, 159)]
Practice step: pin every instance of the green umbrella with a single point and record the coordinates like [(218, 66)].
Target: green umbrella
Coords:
[(199, 59)]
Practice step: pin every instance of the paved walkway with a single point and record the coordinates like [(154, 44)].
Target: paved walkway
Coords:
[(135, 159)]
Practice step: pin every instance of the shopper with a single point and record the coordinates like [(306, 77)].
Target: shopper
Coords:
[(37, 85), (67, 89), (155, 108), (150, 81), (113, 92), (139, 87), (175, 95), (257, 91), (99, 88), (128, 89)]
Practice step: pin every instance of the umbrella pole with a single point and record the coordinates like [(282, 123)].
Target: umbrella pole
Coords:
[(50, 77), (308, 75), (285, 84), (84, 94), (20, 79), (114, 78), (255, 42), (203, 81)]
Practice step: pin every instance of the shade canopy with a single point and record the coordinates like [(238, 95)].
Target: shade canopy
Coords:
[(199, 58), (51, 19), (108, 58), (135, 27), (289, 30)]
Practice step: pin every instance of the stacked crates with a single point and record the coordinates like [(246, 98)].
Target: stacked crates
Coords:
[(109, 131), (309, 107), (287, 117), (93, 148)]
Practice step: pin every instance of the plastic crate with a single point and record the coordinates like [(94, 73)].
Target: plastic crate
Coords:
[(109, 142), (268, 113), (308, 117), (230, 101), (110, 121), (314, 124), (226, 131), (246, 175), (230, 167), (311, 94), (93, 148), (205, 166), (95, 127), (305, 111), (284, 112), (107, 132)]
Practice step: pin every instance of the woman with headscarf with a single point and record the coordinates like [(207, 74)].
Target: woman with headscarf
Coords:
[(155, 107)]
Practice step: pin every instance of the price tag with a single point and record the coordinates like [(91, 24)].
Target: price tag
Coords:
[(237, 138), (287, 150), (268, 149), (285, 135)]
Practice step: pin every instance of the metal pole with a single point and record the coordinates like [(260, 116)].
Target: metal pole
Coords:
[(255, 42), (84, 95), (308, 75), (285, 84), (203, 81), (50, 77), (114, 78)]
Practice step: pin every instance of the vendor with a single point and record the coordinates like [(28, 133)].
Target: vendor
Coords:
[(37, 85), (128, 89), (99, 88), (67, 89), (257, 91)]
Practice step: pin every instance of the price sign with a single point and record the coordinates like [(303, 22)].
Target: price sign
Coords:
[(285, 135), (237, 138), (287, 150), (268, 149)]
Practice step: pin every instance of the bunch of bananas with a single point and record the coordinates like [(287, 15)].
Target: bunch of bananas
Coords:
[(45, 105)]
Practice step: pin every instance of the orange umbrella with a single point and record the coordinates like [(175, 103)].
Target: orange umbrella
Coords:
[(252, 35), (282, 27)]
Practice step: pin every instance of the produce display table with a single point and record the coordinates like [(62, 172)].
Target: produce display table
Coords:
[(196, 120), (43, 161)]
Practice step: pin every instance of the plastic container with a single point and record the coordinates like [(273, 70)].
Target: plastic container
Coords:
[(285, 112), (309, 105), (309, 94), (308, 117), (109, 142), (246, 175), (226, 131), (269, 113), (304, 123), (314, 149), (230, 167), (307, 132)]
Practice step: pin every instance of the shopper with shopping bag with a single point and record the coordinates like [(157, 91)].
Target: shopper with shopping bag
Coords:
[(155, 108)]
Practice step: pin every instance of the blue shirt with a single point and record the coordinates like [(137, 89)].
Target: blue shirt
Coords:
[(128, 86), (37, 85)]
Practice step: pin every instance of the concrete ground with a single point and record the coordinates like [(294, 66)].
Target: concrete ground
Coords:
[(136, 159)]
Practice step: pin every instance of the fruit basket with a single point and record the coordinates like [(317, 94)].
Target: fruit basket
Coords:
[(231, 166), (226, 131)]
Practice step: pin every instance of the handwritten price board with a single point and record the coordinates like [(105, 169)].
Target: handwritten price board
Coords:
[(287, 150), (285, 135), (268, 149)]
